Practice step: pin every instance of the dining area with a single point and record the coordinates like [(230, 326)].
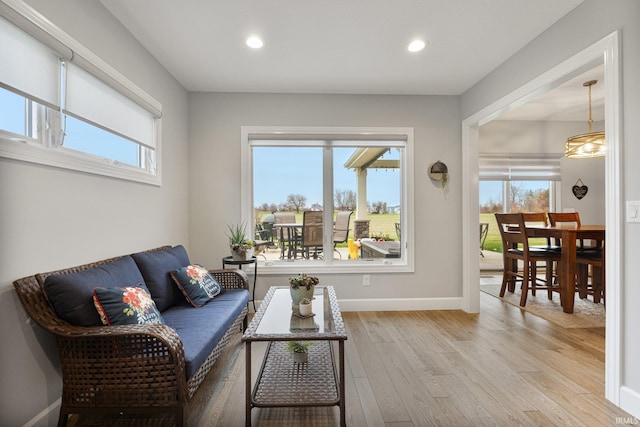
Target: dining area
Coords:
[(552, 252)]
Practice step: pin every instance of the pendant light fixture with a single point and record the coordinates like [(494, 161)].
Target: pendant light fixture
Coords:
[(590, 144)]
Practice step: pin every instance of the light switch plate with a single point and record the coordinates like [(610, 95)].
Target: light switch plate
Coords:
[(633, 211)]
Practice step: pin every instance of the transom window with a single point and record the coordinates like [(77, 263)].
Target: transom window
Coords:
[(329, 198), (62, 106)]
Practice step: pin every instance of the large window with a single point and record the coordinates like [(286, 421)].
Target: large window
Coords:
[(62, 106), (525, 183), (355, 180)]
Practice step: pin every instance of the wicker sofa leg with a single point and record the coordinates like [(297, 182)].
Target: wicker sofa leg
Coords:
[(181, 417), (63, 418)]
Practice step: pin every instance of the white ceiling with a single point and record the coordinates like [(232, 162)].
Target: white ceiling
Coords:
[(340, 46)]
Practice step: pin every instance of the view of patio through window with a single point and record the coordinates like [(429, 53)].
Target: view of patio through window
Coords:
[(353, 187)]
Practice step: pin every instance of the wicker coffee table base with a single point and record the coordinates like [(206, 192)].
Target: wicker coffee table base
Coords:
[(282, 382)]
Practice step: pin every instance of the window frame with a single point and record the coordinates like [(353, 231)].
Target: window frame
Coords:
[(403, 264), (40, 150)]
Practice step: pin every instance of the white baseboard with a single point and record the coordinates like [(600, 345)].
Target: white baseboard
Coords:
[(400, 304), (630, 402), (54, 407), (396, 304)]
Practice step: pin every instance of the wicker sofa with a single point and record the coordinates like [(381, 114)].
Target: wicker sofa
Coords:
[(136, 368)]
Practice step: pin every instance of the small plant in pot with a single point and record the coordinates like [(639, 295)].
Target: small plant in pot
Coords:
[(305, 307), (299, 350), (241, 246)]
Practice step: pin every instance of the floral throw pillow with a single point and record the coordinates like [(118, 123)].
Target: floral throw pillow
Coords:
[(129, 305), (197, 284)]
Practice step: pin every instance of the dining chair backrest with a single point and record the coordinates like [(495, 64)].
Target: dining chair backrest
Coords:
[(564, 218), (341, 227), (284, 233), (312, 228), (557, 218), (512, 230), (285, 217), (535, 217)]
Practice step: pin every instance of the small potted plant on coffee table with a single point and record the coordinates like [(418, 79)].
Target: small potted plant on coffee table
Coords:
[(305, 307), (299, 350)]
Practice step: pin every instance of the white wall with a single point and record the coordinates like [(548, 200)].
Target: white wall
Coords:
[(53, 218), (215, 121), (503, 137), (585, 25)]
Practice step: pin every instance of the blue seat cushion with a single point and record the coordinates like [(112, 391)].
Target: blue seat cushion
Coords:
[(155, 267), (71, 294), (201, 328)]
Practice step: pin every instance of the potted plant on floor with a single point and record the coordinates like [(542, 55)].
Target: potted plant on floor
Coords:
[(241, 246), (299, 350)]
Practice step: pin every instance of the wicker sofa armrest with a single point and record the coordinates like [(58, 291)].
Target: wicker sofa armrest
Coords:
[(121, 364), (125, 365), (231, 278)]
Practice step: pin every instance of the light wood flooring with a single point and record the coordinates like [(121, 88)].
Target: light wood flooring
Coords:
[(503, 367)]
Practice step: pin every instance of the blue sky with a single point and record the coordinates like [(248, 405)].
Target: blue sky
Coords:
[(79, 135), (281, 171)]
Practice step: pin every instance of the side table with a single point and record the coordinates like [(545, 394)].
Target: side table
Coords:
[(228, 260)]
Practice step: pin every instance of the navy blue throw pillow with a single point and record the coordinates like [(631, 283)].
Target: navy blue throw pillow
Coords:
[(130, 305), (155, 267), (197, 284)]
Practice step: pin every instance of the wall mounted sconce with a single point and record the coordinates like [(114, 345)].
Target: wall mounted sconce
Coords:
[(439, 172)]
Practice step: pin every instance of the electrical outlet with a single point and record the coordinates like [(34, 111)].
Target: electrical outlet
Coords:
[(366, 280)]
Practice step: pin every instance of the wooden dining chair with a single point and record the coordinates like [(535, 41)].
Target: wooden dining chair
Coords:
[(589, 259), (515, 249), (540, 218)]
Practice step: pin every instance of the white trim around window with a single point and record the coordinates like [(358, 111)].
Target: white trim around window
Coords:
[(286, 134)]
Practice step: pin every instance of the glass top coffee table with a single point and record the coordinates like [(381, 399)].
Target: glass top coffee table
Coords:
[(282, 382)]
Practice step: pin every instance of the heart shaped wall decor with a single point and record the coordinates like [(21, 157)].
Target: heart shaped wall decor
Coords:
[(580, 190)]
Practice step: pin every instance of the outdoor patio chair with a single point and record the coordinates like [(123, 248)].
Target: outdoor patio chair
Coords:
[(341, 229), (309, 243)]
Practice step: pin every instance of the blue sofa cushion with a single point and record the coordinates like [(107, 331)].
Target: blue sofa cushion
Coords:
[(197, 284), (72, 294), (130, 305), (200, 329), (155, 267)]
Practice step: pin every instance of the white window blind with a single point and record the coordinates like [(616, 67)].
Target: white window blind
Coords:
[(93, 101), (519, 169), (29, 67)]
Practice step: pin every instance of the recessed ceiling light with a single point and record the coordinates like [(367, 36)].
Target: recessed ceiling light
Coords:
[(254, 42), (416, 46)]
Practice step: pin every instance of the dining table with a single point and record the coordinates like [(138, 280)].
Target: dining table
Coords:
[(287, 233), (568, 235)]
